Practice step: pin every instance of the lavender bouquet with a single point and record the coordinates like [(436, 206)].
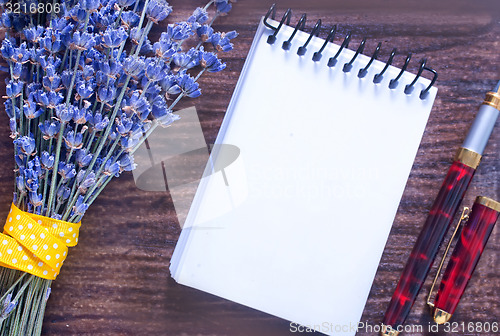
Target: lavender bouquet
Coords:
[(86, 88)]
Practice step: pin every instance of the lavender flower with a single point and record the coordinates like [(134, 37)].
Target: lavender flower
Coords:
[(35, 199), (7, 306), (111, 168), (222, 41), (84, 89), (125, 3), (85, 181), (223, 6), (31, 180), (21, 54), (14, 89), (31, 111), (80, 207), (156, 69), (26, 145), (187, 60), (85, 86), (48, 99), (73, 140), (83, 158), (89, 5), (82, 41), (112, 38), (32, 34), (169, 85), (188, 86), (158, 10), (65, 113), (200, 16), (97, 122), (67, 171), (21, 184), (52, 44), (63, 193), (47, 160), (210, 62), (130, 19), (133, 66), (49, 129)]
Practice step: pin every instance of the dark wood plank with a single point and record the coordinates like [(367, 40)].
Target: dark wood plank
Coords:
[(117, 282)]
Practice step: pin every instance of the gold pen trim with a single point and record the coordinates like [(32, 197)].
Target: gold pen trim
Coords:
[(488, 202), (492, 99), (387, 330), (441, 316), (468, 157)]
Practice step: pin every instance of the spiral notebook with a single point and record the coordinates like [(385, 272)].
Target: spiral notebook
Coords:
[(295, 224)]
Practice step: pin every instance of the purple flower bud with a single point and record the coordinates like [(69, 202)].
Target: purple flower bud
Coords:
[(35, 166), (17, 71), (49, 129), (127, 162), (158, 10), (125, 3), (63, 193), (64, 113), (87, 183), (80, 175), (48, 99), (31, 179), (13, 89), (47, 160), (83, 158), (13, 128), (7, 49), (211, 62), (7, 306), (97, 122), (187, 60), (133, 66), (199, 16), (20, 184), (188, 86), (84, 89), (33, 34), (130, 19), (89, 5), (35, 199), (156, 69), (169, 85), (26, 145), (73, 140), (222, 6), (31, 111), (79, 208), (82, 41), (67, 171), (113, 38)]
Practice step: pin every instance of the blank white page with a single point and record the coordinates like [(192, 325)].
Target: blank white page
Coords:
[(297, 224)]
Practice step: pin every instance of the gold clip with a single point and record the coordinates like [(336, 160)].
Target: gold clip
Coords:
[(463, 219)]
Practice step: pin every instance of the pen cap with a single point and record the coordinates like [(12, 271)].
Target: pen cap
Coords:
[(483, 124), (466, 254)]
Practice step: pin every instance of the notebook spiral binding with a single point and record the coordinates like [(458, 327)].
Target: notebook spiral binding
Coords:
[(393, 83)]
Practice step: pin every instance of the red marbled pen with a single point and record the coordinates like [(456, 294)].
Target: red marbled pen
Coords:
[(441, 215), (465, 256)]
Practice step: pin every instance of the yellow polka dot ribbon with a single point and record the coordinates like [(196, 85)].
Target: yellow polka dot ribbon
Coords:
[(36, 244)]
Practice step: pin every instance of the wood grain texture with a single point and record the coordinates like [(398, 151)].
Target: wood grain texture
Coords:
[(117, 282)]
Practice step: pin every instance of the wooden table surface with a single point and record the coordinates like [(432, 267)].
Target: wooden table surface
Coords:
[(117, 282)]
